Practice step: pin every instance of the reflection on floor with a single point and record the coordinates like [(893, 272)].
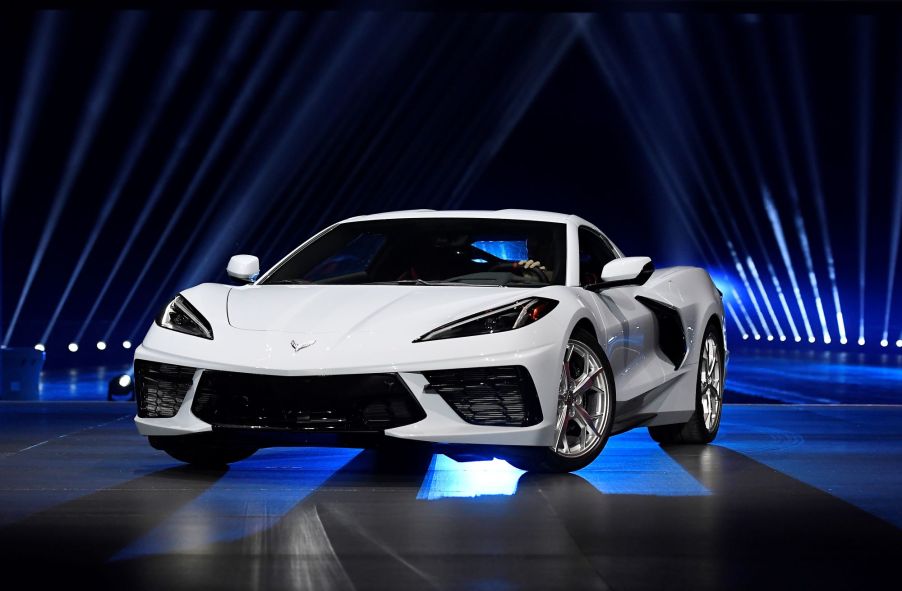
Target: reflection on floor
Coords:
[(789, 496)]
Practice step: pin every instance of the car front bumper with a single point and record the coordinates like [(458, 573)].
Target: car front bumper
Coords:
[(540, 357)]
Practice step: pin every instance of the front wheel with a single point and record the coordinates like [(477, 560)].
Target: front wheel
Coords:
[(585, 411), (702, 427)]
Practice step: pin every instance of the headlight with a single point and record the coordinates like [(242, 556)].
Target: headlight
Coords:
[(179, 315), (517, 315)]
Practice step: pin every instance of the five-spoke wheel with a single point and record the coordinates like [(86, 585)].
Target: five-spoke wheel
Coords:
[(583, 404), (585, 410)]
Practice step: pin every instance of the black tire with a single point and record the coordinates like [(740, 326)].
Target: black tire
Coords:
[(545, 459), (201, 453), (694, 431)]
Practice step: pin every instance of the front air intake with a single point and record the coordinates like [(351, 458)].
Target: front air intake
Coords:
[(362, 403), (498, 396), (160, 388)]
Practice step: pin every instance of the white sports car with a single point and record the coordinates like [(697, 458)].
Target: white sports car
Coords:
[(527, 332)]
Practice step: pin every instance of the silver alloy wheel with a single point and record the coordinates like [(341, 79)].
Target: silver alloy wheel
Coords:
[(711, 383), (583, 405)]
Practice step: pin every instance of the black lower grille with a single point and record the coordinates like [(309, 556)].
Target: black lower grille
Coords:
[(160, 388), (360, 403), (504, 396)]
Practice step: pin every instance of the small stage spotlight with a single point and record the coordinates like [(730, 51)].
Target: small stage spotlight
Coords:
[(757, 337), (121, 386), (827, 339), (770, 337), (843, 341), (745, 337), (798, 339), (101, 345), (126, 344), (811, 339), (73, 347), (39, 347), (899, 343), (861, 341), (884, 343), (783, 337)]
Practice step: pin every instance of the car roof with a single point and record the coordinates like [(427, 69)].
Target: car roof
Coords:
[(504, 214)]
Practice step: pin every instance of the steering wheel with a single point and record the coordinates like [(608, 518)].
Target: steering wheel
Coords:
[(522, 270)]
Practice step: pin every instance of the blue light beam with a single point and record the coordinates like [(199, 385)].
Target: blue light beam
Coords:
[(662, 167), (770, 309), (116, 55), (306, 119), (30, 99), (809, 262), (548, 55), (865, 83), (765, 75), (748, 319), (774, 216), (671, 100), (255, 144), (739, 115), (173, 71), (262, 68), (748, 288), (240, 40), (736, 319), (785, 305), (814, 174), (897, 227)]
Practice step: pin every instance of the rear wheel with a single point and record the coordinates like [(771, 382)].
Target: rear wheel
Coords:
[(705, 422), (585, 411), (201, 453)]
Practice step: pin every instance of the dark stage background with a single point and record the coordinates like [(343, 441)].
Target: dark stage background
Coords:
[(142, 149)]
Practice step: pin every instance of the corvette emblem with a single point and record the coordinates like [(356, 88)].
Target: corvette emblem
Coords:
[(298, 346)]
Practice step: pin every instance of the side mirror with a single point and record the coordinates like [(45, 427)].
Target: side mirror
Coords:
[(244, 267), (625, 271)]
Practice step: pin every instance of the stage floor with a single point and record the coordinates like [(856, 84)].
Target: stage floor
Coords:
[(805, 496)]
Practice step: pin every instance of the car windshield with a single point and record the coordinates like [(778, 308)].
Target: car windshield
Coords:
[(431, 251)]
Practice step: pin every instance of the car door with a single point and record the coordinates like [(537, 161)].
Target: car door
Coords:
[(628, 326)]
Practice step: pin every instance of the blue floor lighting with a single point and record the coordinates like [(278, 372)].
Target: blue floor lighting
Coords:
[(447, 478)]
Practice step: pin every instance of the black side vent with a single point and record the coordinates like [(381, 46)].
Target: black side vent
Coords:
[(671, 335), (502, 396), (161, 388)]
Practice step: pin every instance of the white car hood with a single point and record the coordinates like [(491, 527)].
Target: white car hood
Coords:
[(347, 309)]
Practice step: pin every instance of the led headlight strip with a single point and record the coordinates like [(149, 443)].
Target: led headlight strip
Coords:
[(509, 317)]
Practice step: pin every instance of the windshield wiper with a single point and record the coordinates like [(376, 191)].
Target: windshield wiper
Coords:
[(524, 283), (412, 282), (290, 282)]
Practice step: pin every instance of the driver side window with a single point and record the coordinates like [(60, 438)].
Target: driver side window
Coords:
[(594, 254)]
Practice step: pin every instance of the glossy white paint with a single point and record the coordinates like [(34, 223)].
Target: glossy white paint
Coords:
[(372, 328)]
